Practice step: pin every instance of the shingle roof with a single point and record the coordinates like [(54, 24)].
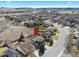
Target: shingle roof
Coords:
[(26, 48)]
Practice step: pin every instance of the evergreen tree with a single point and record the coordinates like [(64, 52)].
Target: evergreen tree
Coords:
[(40, 18), (33, 17), (41, 49), (21, 38)]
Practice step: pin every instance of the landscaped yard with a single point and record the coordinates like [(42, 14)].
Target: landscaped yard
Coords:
[(56, 36)]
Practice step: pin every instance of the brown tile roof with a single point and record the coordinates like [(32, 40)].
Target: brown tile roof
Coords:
[(26, 48)]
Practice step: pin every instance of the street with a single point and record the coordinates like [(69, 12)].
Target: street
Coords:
[(58, 49)]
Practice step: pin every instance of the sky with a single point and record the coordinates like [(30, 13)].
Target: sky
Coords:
[(38, 4)]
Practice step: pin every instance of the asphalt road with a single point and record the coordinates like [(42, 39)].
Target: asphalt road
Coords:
[(58, 49)]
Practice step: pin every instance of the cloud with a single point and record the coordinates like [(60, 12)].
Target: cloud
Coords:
[(70, 2), (8, 1)]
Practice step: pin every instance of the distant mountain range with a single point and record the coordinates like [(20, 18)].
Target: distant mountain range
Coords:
[(2, 9), (57, 9)]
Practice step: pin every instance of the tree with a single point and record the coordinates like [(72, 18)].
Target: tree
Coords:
[(51, 42), (35, 31), (33, 17), (40, 18), (21, 38), (5, 45), (41, 49)]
